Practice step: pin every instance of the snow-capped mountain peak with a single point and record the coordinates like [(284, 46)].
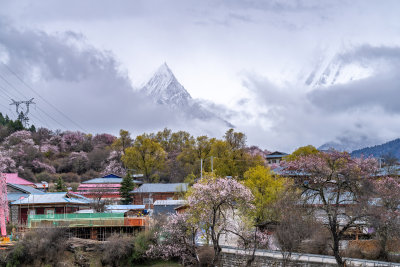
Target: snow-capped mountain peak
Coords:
[(164, 88)]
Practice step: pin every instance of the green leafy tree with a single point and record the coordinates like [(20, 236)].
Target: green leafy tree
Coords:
[(123, 142), (195, 150), (145, 156), (266, 188), (127, 186), (232, 157), (301, 152)]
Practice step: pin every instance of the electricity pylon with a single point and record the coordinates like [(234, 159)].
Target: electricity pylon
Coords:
[(23, 115)]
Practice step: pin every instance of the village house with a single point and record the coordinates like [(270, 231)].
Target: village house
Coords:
[(105, 188), (46, 204), (275, 157), (147, 194)]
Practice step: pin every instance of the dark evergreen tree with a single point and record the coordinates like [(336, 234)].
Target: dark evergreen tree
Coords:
[(60, 185), (127, 186)]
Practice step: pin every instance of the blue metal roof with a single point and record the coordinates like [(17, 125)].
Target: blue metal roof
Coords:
[(125, 207), (26, 189), (111, 175), (49, 198), (103, 181), (15, 196), (157, 188)]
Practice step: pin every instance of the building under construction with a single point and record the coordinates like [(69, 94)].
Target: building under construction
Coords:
[(97, 226)]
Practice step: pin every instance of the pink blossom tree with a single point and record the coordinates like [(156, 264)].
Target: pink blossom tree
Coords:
[(5, 164), (41, 166), (113, 164), (336, 184), (73, 141), (175, 239), (385, 214), (215, 206)]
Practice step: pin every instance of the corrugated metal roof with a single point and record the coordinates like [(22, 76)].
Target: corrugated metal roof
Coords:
[(103, 180), (276, 154), (156, 188), (125, 207), (26, 189), (13, 178), (175, 202), (15, 196), (48, 198)]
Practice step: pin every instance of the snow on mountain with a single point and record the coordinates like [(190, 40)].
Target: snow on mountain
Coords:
[(337, 70), (349, 143), (165, 89)]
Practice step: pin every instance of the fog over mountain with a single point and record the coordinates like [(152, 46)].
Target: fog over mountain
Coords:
[(286, 73)]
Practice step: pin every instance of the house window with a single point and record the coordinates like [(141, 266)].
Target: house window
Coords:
[(147, 201), (170, 198), (50, 213)]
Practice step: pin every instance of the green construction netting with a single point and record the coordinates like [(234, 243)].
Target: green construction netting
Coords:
[(76, 219)]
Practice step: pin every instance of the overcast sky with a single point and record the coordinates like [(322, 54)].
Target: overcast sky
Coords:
[(251, 58)]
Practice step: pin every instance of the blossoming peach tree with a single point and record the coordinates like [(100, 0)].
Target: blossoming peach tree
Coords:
[(385, 214), (216, 206), (175, 239), (337, 185)]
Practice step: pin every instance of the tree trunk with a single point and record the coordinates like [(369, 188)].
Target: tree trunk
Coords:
[(383, 253), (336, 253), (250, 261)]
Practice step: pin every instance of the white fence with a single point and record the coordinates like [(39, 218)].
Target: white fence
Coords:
[(309, 258)]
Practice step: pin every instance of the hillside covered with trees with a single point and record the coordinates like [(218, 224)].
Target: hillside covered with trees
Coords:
[(391, 148), (165, 156)]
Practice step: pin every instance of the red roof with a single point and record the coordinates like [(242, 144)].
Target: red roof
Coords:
[(13, 178)]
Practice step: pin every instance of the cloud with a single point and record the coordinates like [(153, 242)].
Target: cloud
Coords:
[(86, 84), (365, 110), (380, 90)]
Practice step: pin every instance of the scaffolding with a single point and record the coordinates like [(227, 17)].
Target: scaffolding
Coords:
[(85, 220)]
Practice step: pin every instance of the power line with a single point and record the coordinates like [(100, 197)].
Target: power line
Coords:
[(11, 85), (10, 98), (30, 87)]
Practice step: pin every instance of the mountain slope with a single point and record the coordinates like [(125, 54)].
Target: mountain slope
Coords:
[(165, 89), (391, 147)]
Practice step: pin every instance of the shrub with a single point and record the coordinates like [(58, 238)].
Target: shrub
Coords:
[(116, 251), (39, 247), (70, 177), (142, 243), (45, 176)]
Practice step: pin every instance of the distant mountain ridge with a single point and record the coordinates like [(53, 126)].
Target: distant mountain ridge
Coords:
[(165, 89), (391, 147), (349, 143)]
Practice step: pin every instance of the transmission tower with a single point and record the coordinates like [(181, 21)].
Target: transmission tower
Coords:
[(22, 114)]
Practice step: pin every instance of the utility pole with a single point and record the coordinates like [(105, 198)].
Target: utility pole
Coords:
[(22, 115), (212, 164), (201, 168)]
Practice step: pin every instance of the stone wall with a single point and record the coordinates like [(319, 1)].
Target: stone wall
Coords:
[(238, 260)]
